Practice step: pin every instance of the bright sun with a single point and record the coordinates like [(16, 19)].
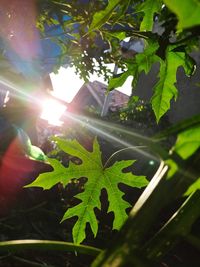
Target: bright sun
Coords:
[(52, 112), (66, 83), (65, 86)]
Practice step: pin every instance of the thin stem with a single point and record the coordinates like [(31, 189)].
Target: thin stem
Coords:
[(15, 245), (119, 151)]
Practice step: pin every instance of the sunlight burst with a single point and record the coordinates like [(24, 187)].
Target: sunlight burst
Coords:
[(52, 112)]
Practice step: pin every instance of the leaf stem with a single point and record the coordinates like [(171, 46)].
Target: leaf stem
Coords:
[(119, 151), (15, 245)]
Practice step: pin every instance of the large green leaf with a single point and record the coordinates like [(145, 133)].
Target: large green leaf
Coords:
[(187, 12), (103, 16), (149, 7), (98, 177), (165, 89), (188, 142)]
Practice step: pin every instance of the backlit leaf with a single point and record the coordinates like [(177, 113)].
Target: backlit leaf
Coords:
[(98, 178)]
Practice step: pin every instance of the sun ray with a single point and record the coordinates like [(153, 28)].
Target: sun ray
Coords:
[(87, 122), (17, 92)]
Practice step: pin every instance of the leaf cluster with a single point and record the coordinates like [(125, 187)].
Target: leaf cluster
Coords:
[(92, 37)]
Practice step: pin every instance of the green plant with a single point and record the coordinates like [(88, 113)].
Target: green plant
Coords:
[(140, 241), (133, 247), (170, 49), (99, 177)]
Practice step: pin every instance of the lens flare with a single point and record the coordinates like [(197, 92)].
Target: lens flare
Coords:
[(103, 128), (52, 112), (20, 37)]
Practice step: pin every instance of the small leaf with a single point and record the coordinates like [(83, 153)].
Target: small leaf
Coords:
[(98, 178), (173, 168), (187, 12), (33, 152), (149, 7), (118, 81), (103, 16), (188, 142), (146, 59), (193, 187), (36, 153), (188, 62), (189, 66)]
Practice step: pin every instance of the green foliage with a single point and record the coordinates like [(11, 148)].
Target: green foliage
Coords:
[(103, 16), (186, 11), (165, 88), (150, 8), (188, 142), (98, 178), (141, 62), (112, 21), (169, 43)]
